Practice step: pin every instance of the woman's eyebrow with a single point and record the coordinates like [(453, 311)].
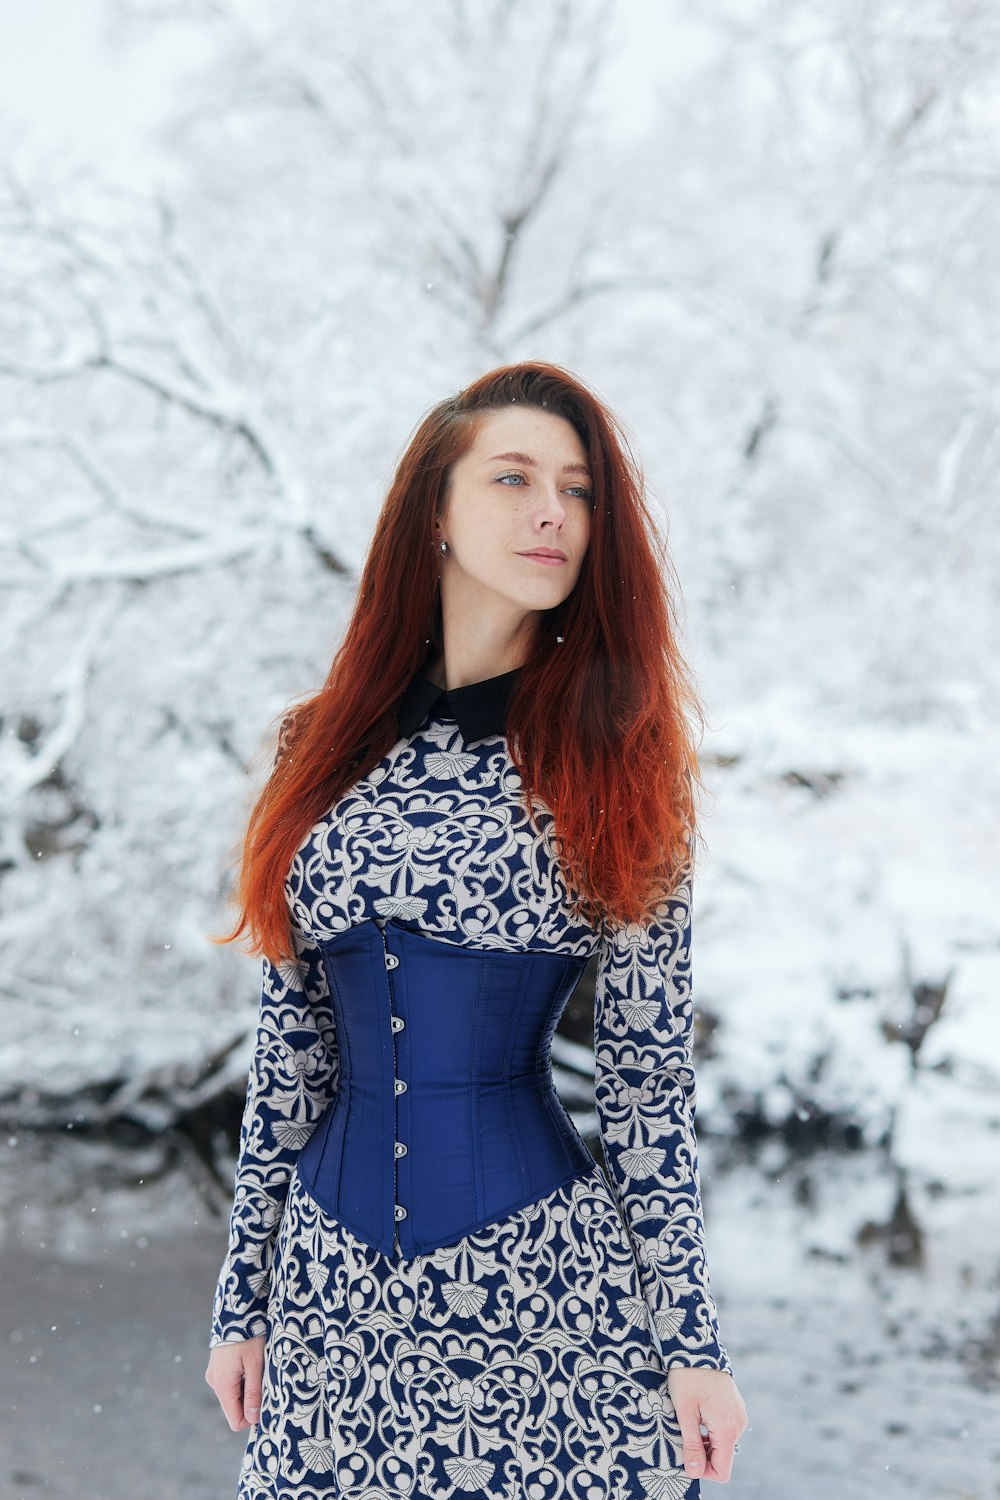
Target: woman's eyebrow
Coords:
[(522, 458)]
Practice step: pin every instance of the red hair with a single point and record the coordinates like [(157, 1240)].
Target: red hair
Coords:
[(596, 725)]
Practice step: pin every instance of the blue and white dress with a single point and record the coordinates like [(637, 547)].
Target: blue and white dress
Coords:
[(526, 1355)]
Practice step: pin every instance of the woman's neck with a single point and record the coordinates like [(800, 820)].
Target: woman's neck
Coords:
[(480, 671)]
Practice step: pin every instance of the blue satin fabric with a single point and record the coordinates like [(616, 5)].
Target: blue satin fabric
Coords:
[(479, 1129)]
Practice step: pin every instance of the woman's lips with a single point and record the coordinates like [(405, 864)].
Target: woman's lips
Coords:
[(541, 557)]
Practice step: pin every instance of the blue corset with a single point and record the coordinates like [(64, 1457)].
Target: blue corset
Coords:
[(446, 1117)]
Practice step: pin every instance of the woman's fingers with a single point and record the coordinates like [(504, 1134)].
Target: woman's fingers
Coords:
[(227, 1382), (720, 1454), (235, 1373), (709, 1399), (253, 1373), (688, 1409)]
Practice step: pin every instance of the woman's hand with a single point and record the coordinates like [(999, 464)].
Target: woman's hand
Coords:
[(235, 1373), (712, 1398)]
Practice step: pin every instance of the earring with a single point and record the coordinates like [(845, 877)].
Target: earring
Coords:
[(442, 546)]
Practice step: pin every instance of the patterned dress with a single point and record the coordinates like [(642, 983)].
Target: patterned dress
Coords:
[(527, 1357)]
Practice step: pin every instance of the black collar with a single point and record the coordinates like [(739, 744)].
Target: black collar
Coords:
[(480, 708)]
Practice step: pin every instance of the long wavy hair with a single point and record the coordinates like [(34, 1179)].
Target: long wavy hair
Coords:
[(597, 725)]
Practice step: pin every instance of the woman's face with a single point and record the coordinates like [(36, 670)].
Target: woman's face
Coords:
[(522, 486)]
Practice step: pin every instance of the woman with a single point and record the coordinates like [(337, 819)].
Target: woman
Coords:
[(432, 1288)]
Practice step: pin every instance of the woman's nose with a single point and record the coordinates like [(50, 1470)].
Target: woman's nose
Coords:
[(552, 505)]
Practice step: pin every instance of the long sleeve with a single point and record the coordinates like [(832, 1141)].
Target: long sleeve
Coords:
[(645, 1100), (293, 1076)]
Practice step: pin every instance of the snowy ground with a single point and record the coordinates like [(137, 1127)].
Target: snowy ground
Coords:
[(861, 1380)]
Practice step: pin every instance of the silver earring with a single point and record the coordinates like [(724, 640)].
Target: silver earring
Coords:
[(442, 546)]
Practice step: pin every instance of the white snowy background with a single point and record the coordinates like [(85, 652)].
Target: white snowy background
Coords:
[(243, 247)]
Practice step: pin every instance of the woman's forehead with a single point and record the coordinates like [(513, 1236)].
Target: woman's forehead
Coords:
[(526, 430)]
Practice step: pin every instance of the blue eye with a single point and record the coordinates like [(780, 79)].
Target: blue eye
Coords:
[(585, 494)]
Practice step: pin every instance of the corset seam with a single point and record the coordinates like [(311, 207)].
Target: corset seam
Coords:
[(475, 1120), (513, 1126)]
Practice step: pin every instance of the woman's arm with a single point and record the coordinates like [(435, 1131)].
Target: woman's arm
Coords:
[(293, 1077), (645, 1099)]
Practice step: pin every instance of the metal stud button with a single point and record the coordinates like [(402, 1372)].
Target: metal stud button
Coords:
[(391, 960), (400, 1148), (398, 1023), (400, 1086), (400, 1211)]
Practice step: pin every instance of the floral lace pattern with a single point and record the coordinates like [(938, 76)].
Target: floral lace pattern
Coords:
[(514, 1363)]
